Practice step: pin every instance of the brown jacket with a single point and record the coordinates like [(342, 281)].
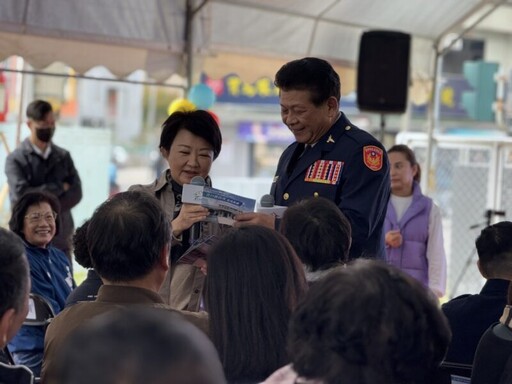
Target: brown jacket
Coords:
[(109, 298), (183, 287)]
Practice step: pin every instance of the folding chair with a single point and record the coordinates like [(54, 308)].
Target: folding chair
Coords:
[(15, 374), (460, 373), (40, 311)]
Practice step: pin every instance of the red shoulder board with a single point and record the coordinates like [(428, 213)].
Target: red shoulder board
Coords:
[(373, 157)]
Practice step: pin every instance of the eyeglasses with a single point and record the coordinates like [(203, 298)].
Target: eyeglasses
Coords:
[(35, 217)]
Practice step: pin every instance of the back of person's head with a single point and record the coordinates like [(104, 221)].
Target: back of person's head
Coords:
[(410, 156), (198, 122), (494, 247), (368, 323), (319, 232), (310, 74), (126, 236), (254, 282), (80, 248), (138, 345), (14, 285), (38, 109), (506, 376), (20, 208)]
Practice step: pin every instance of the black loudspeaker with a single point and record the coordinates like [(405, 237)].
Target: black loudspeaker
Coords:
[(383, 71)]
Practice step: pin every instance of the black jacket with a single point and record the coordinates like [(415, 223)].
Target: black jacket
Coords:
[(470, 316)]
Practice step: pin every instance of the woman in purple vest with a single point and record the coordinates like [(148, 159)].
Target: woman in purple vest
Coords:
[(413, 227)]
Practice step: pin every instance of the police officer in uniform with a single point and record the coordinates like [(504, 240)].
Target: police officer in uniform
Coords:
[(331, 157)]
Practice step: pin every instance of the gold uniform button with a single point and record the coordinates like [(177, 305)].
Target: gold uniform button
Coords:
[(286, 196), (316, 194)]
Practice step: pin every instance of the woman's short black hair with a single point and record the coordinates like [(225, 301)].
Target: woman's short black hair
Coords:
[(20, 208), (199, 122), (368, 323)]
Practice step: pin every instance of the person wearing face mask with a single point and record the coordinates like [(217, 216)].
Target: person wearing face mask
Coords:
[(190, 142), (38, 165)]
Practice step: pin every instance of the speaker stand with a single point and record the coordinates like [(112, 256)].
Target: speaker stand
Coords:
[(382, 126)]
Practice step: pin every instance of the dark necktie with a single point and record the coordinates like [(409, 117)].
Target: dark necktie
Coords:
[(299, 152)]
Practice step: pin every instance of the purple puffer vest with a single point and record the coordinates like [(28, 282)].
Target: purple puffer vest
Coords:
[(411, 256)]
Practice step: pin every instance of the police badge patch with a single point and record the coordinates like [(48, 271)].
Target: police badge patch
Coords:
[(373, 157)]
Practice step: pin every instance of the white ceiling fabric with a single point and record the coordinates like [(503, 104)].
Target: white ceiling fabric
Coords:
[(126, 35)]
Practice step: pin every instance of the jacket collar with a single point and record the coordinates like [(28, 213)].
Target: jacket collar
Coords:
[(165, 178), (326, 144), (127, 294), (495, 287)]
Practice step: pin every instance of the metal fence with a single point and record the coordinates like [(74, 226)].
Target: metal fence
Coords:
[(471, 181)]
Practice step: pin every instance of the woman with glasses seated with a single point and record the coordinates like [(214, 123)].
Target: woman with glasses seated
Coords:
[(35, 219)]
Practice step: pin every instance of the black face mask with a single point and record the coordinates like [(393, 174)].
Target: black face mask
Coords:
[(45, 134)]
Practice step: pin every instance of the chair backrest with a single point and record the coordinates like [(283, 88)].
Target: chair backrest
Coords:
[(40, 311), (460, 373), (15, 374)]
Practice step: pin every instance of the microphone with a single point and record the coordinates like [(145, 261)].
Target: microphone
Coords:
[(195, 229), (267, 201), (266, 205)]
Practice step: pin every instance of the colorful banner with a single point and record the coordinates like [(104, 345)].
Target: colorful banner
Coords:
[(232, 89)]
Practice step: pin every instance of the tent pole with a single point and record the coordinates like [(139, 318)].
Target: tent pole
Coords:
[(433, 119), (21, 98), (190, 14), (434, 102)]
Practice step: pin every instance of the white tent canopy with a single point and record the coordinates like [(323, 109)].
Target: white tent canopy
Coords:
[(125, 35)]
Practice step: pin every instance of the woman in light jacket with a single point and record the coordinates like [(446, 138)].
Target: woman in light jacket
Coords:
[(190, 142)]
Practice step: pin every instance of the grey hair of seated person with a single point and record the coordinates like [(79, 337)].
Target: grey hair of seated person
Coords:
[(368, 323), (138, 345)]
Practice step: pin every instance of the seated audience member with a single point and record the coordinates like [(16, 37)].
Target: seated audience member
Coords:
[(506, 377), (320, 234), (88, 290), (494, 349), (138, 345), (128, 238), (471, 315), (254, 282), (14, 290), (35, 220), (370, 323)]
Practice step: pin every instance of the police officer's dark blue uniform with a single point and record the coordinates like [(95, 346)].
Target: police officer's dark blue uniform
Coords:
[(349, 167)]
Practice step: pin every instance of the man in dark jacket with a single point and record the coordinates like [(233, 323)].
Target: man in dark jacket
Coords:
[(330, 157), (40, 165), (471, 315)]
